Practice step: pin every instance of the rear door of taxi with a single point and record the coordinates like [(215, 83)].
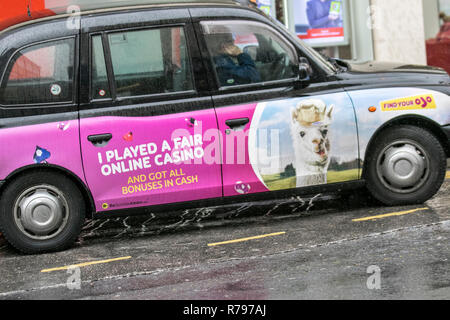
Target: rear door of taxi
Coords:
[(146, 114)]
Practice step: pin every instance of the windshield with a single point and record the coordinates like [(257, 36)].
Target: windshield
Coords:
[(317, 56)]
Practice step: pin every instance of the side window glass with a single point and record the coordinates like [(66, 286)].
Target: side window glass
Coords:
[(99, 79), (41, 73), (150, 62), (245, 52)]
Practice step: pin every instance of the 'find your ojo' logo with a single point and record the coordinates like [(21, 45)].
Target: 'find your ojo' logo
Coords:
[(423, 102)]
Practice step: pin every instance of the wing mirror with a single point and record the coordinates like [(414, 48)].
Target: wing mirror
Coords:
[(304, 72)]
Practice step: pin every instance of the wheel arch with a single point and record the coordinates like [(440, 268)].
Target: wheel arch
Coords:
[(87, 196), (414, 120)]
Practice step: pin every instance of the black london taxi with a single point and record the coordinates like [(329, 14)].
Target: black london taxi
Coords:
[(176, 104)]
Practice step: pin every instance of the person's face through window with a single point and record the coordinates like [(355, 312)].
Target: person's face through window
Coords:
[(228, 47), (231, 49)]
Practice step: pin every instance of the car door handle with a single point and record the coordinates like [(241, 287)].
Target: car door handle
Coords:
[(235, 123), (100, 138)]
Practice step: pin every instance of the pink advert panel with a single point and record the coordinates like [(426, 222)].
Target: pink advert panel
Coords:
[(152, 160)]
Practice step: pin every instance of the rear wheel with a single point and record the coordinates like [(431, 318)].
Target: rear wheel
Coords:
[(41, 212), (406, 166)]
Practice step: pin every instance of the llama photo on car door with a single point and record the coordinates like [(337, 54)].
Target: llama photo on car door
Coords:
[(302, 142), (310, 124)]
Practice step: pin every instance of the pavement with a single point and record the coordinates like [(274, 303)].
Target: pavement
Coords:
[(318, 248)]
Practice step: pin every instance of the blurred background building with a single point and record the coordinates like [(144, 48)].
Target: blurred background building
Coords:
[(384, 30)]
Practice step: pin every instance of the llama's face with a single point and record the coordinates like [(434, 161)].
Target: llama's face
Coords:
[(314, 141), (311, 139)]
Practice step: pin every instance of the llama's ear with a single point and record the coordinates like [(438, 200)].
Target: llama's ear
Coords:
[(294, 115), (330, 112)]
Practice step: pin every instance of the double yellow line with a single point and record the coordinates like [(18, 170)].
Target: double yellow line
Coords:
[(382, 216), (246, 239), (80, 265), (85, 264)]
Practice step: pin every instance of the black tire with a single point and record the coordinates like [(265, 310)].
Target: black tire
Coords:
[(60, 190), (383, 186)]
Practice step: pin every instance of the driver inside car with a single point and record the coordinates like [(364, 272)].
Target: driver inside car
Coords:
[(233, 66)]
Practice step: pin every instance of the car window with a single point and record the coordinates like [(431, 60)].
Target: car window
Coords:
[(41, 73), (99, 79), (150, 61), (245, 52)]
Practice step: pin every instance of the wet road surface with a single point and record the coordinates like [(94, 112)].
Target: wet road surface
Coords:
[(328, 247)]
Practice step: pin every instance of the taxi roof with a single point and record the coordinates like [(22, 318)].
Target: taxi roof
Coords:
[(51, 9), (86, 5)]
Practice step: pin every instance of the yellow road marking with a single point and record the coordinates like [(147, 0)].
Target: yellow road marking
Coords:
[(389, 215), (80, 265), (246, 239), (447, 175)]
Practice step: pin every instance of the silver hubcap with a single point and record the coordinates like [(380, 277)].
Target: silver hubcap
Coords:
[(41, 212), (403, 166)]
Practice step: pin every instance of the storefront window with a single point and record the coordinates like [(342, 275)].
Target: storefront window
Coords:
[(319, 22)]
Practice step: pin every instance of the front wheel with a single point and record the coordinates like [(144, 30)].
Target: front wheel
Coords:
[(41, 212), (407, 165)]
